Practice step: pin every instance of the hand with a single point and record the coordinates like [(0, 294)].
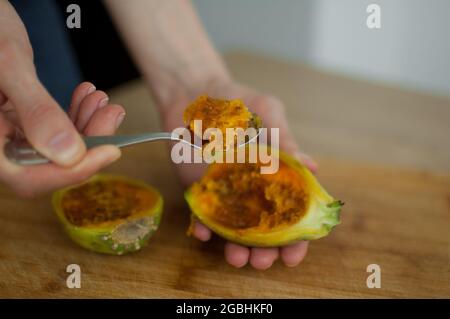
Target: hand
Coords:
[(272, 113), (89, 114), (26, 107)]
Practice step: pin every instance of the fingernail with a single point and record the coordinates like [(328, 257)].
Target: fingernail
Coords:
[(240, 265), (91, 89), (119, 119), (64, 147), (103, 102), (291, 264)]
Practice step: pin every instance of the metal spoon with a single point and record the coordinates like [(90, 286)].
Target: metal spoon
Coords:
[(21, 152)]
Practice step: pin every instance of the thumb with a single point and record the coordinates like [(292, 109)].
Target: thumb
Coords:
[(44, 123)]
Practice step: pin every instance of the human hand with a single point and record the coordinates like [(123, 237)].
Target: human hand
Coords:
[(272, 113), (89, 114), (27, 108)]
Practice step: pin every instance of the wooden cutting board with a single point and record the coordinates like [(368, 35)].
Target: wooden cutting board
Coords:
[(397, 214), (398, 219)]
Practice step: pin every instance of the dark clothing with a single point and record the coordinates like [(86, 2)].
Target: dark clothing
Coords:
[(65, 57), (55, 59)]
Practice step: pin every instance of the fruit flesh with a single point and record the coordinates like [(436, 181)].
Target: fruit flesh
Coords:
[(263, 210), (106, 202), (109, 214), (217, 113), (237, 196)]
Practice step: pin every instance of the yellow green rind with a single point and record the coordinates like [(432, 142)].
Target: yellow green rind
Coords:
[(322, 214), (100, 239)]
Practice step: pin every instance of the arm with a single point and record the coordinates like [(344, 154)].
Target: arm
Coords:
[(169, 46), (174, 54), (21, 90)]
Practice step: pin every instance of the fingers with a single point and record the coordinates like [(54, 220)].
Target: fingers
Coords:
[(105, 121), (80, 92), (87, 108), (306, 160), (294, 254), (236, 255), (7, 109), (260, 258), (272, 111), (44, 123), (263, 258), (91, 113), (289, 145), (5, 129), (201, 232), (27, 181)]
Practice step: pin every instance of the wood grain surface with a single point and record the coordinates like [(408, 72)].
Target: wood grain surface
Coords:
[(383, 151)]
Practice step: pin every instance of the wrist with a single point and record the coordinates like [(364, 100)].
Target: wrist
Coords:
[(170, 47), (187, 79)]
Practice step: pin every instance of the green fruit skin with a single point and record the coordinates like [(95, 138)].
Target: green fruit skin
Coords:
[(323, 214), (101, 240)]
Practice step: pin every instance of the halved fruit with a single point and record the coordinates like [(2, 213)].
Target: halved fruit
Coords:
[(109, 213), (244, 206)]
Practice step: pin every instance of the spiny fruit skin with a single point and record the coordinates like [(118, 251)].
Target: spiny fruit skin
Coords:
[(322, 213), (116, 238)]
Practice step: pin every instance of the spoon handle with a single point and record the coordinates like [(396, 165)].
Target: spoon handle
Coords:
[(125, 140), (21, 152)]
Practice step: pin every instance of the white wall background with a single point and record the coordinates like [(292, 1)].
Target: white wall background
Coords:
[(412, 48)]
